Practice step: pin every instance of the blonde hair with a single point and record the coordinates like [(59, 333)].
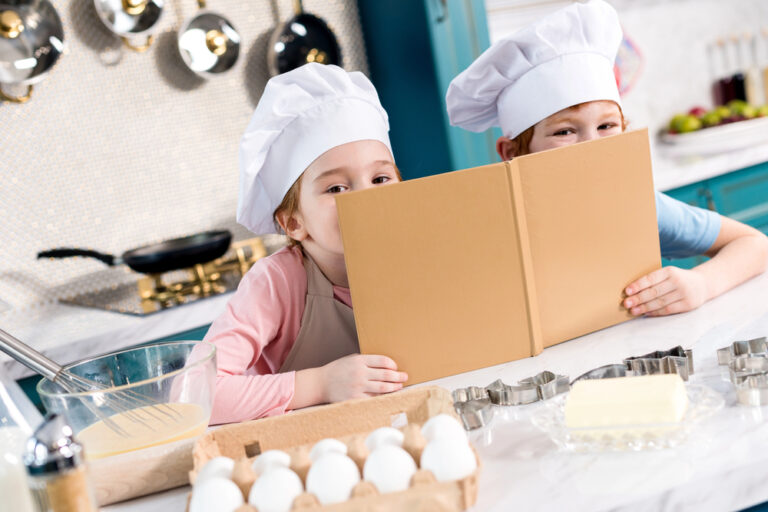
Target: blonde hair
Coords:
[(290, 204), (523, 141)]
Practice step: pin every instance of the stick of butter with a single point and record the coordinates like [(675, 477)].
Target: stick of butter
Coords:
[(625, 401)]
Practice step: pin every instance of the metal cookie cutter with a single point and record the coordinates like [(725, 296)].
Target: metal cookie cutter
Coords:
[(473, 406), (749, 374), (736, 349), (675, 360)]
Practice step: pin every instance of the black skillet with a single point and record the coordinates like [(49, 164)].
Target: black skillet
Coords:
[(163, 257), (302, 39)]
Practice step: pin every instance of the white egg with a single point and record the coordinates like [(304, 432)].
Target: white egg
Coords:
[(448, 460), (326, 446), (382, 436), (269, 459), (332, 477), (389, 468), (275, 490), (216, 494), (216, 467), (443, 426)]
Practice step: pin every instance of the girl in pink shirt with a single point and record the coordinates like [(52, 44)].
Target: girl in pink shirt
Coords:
[(287, 338)]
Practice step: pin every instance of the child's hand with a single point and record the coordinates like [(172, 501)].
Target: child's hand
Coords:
[(666, 291), (360, 375)]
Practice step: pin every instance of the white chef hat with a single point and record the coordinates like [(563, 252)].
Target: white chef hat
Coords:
[(301, 114), (564, 59)]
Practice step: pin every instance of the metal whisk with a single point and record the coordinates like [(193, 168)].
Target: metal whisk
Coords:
[(132, 404)]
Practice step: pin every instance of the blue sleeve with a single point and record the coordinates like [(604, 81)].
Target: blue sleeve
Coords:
[(684, 230)]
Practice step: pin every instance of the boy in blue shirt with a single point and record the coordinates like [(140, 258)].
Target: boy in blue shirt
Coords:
[(552, 84)]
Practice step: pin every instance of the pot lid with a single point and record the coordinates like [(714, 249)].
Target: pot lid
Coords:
[(209, 44), (31, 40), (129, 17)]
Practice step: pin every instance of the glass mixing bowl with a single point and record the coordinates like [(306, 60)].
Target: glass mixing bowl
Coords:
[(148, 395)]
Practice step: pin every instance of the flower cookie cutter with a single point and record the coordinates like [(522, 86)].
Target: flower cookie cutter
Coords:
[(474, 404), (675, 360), (755, 346), (749, 375)]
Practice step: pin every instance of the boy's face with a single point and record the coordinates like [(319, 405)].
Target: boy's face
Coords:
[(353, 166), (580, 123)]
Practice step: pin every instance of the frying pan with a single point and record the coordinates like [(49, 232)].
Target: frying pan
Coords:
[(162, 257), (302, 39)]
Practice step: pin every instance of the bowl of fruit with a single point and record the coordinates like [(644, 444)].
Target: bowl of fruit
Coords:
[(724, 128)]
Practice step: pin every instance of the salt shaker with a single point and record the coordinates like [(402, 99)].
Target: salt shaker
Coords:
[(18, 418), (56, 469)]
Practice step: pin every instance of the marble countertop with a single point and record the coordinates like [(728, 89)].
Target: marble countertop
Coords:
[(722, 466)]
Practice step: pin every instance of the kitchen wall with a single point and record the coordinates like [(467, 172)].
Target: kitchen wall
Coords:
[(118, 149), (672, 38)]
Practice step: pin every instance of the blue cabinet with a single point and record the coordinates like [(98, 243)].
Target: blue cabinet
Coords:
[(415, 49), (741, 195)]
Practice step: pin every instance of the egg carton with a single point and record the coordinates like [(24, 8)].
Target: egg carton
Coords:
[(350, 422)]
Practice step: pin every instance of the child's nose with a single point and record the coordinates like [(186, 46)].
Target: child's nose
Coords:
[(587, 135)]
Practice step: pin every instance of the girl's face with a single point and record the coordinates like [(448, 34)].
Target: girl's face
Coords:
[(580, 123), (353, 166)]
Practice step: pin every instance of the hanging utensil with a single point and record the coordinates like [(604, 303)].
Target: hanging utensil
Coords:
[(157, 258), (302, 39), (208, 43), (130, 19), (31, 41)]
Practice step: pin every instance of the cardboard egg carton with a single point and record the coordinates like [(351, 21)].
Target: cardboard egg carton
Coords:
[(350, 422)]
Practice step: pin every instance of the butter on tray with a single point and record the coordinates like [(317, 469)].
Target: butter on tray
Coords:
[(626, 401)]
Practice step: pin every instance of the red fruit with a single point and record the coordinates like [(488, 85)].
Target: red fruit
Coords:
[(697, 111)]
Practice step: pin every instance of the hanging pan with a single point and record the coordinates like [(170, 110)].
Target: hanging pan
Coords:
[(31, 41), (170, 255), (131, 19), (208, 43), (302, 39)]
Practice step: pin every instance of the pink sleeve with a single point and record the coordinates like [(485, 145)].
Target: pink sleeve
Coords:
[(252, 337)]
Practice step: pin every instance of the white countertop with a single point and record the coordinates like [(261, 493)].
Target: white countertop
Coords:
[(676, 171), (722, 466)]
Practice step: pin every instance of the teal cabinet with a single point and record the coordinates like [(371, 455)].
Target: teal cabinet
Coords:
[(415, 49), (741, 195)]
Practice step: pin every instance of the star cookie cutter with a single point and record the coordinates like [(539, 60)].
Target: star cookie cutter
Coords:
[(675, 360), (755, 346), (749, 375)]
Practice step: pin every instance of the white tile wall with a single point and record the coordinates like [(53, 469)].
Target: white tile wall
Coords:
[(118, 149)]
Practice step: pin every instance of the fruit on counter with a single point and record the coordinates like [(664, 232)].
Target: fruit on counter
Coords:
[(699, 118), (683, 123)]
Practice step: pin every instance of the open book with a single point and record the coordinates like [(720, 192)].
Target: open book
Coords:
[(473, 268)]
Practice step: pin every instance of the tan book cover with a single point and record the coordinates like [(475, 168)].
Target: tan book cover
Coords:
[(477, 267)]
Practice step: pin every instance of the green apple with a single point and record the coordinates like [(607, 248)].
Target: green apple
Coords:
[(676, 122), (762, 111), (723, 111), (690, 124), (738, 106), (749, 111), (711, 118)]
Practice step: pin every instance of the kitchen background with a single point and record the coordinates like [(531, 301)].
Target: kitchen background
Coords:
[(118, 149)]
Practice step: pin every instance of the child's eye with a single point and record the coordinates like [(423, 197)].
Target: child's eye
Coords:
[(607, 126), (336, 189), (563, 132), (381, 179)]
